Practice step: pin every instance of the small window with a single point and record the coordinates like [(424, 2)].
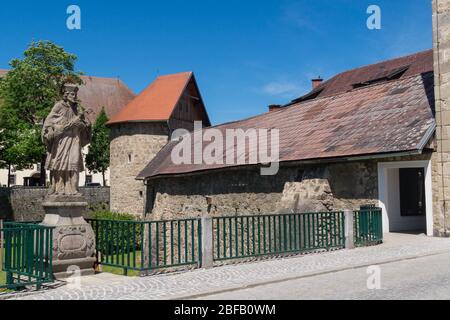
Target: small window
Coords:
[(88, 179), (129, 158), (12, 179)]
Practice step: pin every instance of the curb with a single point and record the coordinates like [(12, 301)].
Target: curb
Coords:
[(307, 275)]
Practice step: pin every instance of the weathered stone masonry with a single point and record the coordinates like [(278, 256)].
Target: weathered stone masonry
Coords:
[(25, 203), (301, 188), (441, 159), (294, 189), (132, 145)]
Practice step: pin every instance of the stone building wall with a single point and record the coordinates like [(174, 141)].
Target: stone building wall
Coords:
[(132, 146), (305, 188), (441, 160), (25, 203)]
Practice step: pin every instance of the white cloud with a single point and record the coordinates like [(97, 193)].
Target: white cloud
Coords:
[(285, 89)]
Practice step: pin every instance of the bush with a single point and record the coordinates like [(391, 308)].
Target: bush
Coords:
[(114, 238), (109, 215)]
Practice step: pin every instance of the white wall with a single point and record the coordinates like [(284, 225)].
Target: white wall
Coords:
[(396, 221), (389, 198), (20, 175)]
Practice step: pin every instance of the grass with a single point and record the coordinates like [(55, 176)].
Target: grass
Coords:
[(119, 270), (2, 274)]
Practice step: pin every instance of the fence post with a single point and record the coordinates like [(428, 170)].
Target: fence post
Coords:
[(1, 245), (207, 243), (349, 236)]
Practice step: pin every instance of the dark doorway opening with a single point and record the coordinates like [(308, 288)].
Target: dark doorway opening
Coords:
[(412, 192)]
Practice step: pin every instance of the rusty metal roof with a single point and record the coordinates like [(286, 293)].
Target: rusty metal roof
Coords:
[(417, 63), (96, 92), (157, 101), (382, 118), (110, 93)]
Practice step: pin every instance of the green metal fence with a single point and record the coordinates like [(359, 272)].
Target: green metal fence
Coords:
[(252, 236), (147, 245), (27, 254), (150, 245), (368, 229)]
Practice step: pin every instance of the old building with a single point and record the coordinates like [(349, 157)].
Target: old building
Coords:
[(96, 93), (366, 136), (143, 127)]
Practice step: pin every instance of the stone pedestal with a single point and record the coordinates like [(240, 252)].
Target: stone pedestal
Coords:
[(73, 237)]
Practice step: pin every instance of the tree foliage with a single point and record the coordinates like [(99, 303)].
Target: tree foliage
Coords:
[(97, 159), (27, 94)]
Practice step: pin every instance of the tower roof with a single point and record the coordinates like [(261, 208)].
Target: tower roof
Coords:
[(157, 101)]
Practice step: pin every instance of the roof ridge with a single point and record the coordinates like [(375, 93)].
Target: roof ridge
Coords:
[(151, 104), (297, 104), (175, 74), (381, 62)]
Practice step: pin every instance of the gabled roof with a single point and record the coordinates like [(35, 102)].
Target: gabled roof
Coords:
[(401, 68), (384, 118), (110, 93), (96, 93), (157, 101)]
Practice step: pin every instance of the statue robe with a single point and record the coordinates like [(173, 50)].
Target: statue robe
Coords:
[(63, 140)]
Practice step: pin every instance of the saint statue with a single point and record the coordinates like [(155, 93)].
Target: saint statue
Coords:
[(66, 131)]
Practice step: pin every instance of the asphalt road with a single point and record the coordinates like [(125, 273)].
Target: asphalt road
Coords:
[(420, 278)]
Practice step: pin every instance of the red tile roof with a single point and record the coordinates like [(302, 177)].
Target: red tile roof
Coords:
[(157, 101), (383, 118)]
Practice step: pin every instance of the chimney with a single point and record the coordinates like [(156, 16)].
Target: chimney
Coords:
[(441, 159), (316, 82), (274, 107)]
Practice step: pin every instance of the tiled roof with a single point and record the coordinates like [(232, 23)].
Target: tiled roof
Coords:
[(157, 101), (112, 94), (95, 93), (383, 118), (417, 63)]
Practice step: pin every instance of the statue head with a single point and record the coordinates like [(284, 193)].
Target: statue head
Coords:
[(70, 93)]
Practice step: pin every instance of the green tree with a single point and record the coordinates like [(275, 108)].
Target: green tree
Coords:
[(97, 159), (27, 94)]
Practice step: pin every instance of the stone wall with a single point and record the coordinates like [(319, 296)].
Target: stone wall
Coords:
[(441, 160), (306, 188), (133, 145), (25, 203)]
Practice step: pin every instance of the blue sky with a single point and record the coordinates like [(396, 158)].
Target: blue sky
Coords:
[(245, 54)]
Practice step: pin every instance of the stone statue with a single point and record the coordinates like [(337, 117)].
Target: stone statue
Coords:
[(66, 131)]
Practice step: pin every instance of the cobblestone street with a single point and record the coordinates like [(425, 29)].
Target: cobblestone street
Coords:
[(228, 281)]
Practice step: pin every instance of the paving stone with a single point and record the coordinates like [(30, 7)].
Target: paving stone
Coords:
[(205, 281)]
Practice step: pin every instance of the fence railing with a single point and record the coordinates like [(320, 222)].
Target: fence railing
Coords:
[(27, 254), (252, 236), (150, 245), (368, 229), (147, 245)]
